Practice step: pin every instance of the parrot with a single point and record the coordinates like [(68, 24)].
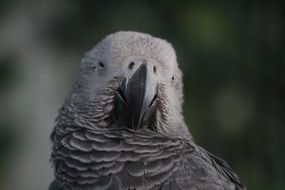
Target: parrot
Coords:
[(121, 125)]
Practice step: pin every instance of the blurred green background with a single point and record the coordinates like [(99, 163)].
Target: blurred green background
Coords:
[(231, 53)]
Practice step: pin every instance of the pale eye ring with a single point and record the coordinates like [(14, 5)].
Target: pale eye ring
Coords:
[(173, 77)]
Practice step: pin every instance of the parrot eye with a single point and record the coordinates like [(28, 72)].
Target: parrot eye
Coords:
[(101, 68), (101, 64), (173, 77), (154, 69)]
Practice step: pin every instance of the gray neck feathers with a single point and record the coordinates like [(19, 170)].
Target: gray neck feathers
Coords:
[(95, 112), (86, 110)]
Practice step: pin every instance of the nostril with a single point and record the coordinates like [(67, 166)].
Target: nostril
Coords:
[(154, 69), (131, 65)]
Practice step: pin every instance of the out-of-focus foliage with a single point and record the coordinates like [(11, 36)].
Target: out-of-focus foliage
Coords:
[(231, 53)]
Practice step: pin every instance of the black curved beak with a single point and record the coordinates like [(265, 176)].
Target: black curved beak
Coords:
[(137, 98)]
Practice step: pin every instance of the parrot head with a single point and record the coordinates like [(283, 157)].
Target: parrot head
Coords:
[(134, 80)]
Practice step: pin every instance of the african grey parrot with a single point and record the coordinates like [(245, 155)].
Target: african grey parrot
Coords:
[(121, 127)]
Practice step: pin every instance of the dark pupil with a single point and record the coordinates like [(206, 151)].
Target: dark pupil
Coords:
[(101, 64)]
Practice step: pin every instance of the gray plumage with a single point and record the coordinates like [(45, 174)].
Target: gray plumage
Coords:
[(99, 142)]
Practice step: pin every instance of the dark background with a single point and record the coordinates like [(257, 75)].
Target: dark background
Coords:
[(231, 53)]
